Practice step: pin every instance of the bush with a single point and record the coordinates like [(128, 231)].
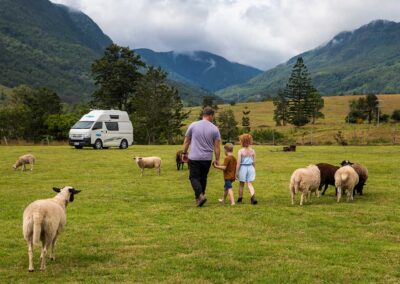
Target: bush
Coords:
[(340, 139), (384, 118), (267, 135), (396, 115)]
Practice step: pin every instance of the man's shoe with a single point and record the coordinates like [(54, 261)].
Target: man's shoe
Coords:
[(201, 200), (240, 200), (253, 200)]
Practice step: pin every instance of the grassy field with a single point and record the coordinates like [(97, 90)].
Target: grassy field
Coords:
[(335, 110), (124, 228)]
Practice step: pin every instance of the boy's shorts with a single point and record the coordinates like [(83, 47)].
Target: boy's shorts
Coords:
[(228, 184)]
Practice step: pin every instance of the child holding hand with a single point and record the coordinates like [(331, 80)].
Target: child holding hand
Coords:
[(245, 170), (229, 168)]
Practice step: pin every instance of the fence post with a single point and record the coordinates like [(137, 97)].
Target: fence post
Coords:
[(273, 137)]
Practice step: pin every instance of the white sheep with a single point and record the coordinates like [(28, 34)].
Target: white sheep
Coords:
[(23, 160), (346, 179), (306, 180), (148, 162), (44, 220)]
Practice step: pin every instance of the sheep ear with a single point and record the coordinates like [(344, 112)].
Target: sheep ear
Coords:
[(74, 191), (56, 189)]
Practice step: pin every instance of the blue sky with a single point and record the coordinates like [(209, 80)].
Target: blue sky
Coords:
[(261, 33)]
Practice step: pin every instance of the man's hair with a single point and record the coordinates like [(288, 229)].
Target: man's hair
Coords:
[(246, 140), (228, 147), (208, 111)]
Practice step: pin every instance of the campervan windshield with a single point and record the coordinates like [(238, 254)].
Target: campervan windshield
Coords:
[(83, 125)]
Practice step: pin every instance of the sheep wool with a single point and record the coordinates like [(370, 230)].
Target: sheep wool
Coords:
[(306, 180), (45, 220), (149, 163), (23, 160), (346, 179)]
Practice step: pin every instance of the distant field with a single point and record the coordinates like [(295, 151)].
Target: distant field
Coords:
[(123, 228), (335, 110)]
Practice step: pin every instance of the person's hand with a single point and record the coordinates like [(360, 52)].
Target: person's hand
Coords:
[(213, 163), (216, 162), (185, 157)]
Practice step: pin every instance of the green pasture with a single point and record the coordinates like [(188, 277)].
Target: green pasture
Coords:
[(124, 228)]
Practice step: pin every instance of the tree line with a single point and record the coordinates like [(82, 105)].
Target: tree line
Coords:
[(123, 82)]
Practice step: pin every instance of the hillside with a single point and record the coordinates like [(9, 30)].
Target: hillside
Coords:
[(43, 44), (206, 70), (364, 60), (335, 110)]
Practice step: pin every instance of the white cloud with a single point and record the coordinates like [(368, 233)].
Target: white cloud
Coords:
[(261, 33)]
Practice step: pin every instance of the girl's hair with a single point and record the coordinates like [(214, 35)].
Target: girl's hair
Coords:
[(246, 140)]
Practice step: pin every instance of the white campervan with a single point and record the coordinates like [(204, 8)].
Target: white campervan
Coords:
[(102, 129)]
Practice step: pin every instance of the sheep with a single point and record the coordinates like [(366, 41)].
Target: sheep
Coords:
[(362, 172), (179, 160), (306, 180), (148, 162), (25, 159), (44, 220), (327, 175), (346, 179)]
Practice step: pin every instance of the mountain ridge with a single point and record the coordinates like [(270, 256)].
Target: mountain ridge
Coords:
[(200, 68), (366, 59)]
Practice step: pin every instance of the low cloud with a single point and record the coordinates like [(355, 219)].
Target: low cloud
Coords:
[(261, 33)]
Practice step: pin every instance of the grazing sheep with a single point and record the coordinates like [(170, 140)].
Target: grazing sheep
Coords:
[(44, 220), (346, 179), (148, 162), (179, 160), (23, 160), (306, 180), (327, 175), (362, 175)]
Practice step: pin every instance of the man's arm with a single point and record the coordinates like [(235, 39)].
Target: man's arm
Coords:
[(217, 150), (186, 144)]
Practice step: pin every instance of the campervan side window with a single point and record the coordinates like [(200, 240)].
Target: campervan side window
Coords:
[(97, 125), (114, 116), (112, 126)]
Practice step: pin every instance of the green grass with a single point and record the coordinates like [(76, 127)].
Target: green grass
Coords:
[(124, 228)]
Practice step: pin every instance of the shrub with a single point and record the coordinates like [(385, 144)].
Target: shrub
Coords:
[(340, 139), (396, 115), (267, 135)]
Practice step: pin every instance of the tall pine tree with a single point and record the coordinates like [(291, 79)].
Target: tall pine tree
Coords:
[(297, 92)]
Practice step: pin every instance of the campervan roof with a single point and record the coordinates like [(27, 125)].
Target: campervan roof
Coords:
[(105, 115)]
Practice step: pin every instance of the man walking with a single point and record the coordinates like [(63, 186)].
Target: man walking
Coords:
[(203, 137)]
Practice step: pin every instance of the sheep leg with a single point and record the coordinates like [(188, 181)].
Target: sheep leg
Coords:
[(325, 188), (159, 170), (292, 195), (23, 167), (302, 198), (30, 254), (53, 244), (31, 166), (141, 172), (43, 255), (310, 193), (339, 193)]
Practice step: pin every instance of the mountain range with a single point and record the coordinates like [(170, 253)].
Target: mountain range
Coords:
[(199, 68), (50, 45), (364, 60)]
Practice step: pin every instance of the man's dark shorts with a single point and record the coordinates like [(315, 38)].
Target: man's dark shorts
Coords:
[(228, 184)]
